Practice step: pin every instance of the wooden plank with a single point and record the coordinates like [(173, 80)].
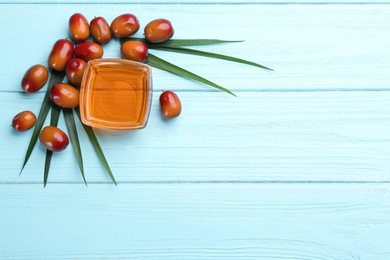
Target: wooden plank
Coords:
[(201, 221), (259, 136), (292, 168), (170, 2), (311, 47)]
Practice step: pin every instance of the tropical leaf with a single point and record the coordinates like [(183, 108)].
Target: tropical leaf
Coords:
[(178, 42), (212, 55), (96, 146), (74, 138), (159, 63), (55, 115), (49, 154), (56, 77)]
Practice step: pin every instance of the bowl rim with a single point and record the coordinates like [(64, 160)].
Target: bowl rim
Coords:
[(85, 88)]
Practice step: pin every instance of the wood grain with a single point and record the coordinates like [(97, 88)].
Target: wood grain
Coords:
[(170, 2), (260, 136), (202, 221), (295, 167), (311, 47)]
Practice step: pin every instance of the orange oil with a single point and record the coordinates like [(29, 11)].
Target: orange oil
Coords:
[(118, 97)]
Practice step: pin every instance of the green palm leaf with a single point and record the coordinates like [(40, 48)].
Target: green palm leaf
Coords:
[(212, 55), (159, 63), (56, 77), (177, 42), (96, 146), (74, 138), (55, 115)]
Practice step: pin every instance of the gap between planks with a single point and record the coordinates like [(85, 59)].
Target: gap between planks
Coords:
[(270, 90), (312, 2), (205, 183)]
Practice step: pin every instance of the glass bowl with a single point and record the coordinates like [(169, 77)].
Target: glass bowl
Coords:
[(116, 94)]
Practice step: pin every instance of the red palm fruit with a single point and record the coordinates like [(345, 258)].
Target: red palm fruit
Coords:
[(100, 30), (24, 121), (170, 104), (78, 27), (34, 78), (159, 30), (75, 71), (88, 51), (64, 95), (134, 50), (125, 25), (60, 54), (53, 139)]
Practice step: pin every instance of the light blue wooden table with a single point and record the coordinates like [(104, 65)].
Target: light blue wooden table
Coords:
[(297, 166)]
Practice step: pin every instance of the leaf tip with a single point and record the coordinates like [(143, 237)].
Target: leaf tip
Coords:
[(229, 92), (85, 181)]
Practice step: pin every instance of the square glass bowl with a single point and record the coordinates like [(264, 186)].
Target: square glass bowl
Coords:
[(116, 94)]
